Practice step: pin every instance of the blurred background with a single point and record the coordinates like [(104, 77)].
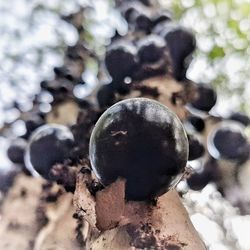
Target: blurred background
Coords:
[(35, 35)]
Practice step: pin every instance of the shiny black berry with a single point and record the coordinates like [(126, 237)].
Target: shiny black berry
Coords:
[(196, 148), (141, 141), (31, 123), (205, 99), (106, 95), (120, 60), (129, 10), (209, 173), (228, 141), (181, 44), (199, 180), (151, 49), (16, 151), (197, 122), (142, 22), (162, 17), (240, 117), (48, 145)]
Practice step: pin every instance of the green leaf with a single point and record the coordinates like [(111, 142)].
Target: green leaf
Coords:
[(216, 52)]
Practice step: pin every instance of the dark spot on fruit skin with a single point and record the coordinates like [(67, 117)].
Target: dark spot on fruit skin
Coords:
[(206, 98), (143, 150), (49, 145)]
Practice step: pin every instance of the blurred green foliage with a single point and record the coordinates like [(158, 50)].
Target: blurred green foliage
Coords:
[(222, 28)]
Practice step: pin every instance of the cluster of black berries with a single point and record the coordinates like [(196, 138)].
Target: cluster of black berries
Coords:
[(154, 45), (51, 137), (137, 139), (157, 46)]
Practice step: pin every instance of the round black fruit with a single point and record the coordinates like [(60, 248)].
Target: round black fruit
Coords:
[(197, 122), (31, 123), (240, 117), (151, 49), (209, 173), (48, 145), (106, 95), (16, 151), (198, 181), (196, 149), (141, 141), (181, 44), (142, 22), (120, 60), (228, 141), (162, 17), (206, 98)]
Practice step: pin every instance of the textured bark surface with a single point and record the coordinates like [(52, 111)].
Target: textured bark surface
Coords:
[(64, 113), (60, 232), (28, 221), (18, 221), (137, 225), (84, 201), (110, 206)]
